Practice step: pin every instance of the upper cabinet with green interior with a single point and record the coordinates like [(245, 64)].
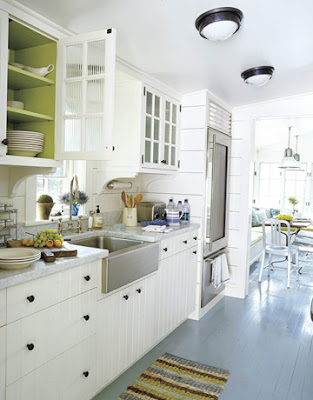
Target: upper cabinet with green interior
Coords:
[(146, 128), (73, 105)]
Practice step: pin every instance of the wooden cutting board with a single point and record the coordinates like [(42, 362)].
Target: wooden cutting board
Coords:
[(49, 254)]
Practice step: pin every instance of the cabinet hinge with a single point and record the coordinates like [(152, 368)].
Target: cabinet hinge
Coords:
[(109, 30), (144, 91), (180, 108), (255, 173), (178, 164), (142, 159), (253, 201)]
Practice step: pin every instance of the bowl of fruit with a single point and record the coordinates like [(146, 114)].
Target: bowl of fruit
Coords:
[(48, 238)]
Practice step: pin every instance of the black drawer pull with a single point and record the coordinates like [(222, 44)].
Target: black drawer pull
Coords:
[(139, 291), (86, 317), (30, 346), (165, 249), (5, 142), (163, 161), (185, 241), (31, 298), (86, 374), (195, 252), (126, 297), (87, 278), (195, 238)]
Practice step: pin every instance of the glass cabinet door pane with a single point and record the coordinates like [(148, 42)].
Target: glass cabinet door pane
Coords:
[(167, 133), (149, 103), (167, 111), (173, 155), (93, 133), (74, 60), (156, 132), (166, 154), (155, 153), (72, 135), (157, 106), (173, 135), (174, 114), (148, 127), (147, 151), (96, 57), (95, 96), (73, 98)]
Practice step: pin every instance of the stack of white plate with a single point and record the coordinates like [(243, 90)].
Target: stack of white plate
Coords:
[(18, 258), (25, 143)]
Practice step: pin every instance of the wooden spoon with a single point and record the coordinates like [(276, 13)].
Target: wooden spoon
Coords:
[(132, 200), (124, 198), (138, 199), (128, 203)]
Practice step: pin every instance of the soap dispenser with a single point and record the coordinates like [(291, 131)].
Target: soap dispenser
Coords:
[(97, 219)]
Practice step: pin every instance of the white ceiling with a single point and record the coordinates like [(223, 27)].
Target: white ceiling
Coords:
[(159, 37)]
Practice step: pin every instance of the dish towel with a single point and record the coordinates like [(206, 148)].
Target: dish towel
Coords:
[(220, 273)]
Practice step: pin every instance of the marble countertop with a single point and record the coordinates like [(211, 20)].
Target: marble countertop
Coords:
[(134, 233), (40, 268)]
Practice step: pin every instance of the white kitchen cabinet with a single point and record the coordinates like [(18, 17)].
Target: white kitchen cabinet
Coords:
[(70, 376), (2, 362), (32, 296), (125, 328), (4, 28), (3, 307), (146, 132), (40, 337)]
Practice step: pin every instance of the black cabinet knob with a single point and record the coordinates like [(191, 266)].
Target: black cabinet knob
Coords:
[(30, 346), (139, 291), (113, 148), (5, 142), (164, 162), (195, 238), (165, 249), (86, 374), (126, 297), (86, 317), (87, 278), (195, 252), (185, 241), (31, 298)]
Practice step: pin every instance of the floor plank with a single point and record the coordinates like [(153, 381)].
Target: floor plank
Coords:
[(264, 340)]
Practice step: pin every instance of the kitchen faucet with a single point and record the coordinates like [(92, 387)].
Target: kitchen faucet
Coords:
[(70, 224)]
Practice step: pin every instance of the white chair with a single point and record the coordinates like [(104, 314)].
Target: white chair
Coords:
[(275, 247)]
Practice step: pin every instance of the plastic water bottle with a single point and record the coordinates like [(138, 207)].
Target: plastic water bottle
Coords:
[(171, 204), (185, 220), (180, 208)]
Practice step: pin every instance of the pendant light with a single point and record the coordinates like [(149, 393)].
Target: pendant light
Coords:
[(296, 156), (288, 160), (219, 23), (258, 76)]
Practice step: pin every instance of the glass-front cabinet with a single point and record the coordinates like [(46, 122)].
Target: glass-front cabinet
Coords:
[(161, 117)]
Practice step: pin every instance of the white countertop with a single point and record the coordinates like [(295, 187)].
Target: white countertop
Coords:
[(40, 268), (134, 233), (85, 254)]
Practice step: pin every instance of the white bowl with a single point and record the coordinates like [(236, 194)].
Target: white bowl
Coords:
[(16, 104), (19, 253)]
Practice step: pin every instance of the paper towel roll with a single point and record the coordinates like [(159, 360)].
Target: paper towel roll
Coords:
[(119, 185)]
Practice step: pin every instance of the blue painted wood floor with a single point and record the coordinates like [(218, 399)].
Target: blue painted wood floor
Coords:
[(264, 340)]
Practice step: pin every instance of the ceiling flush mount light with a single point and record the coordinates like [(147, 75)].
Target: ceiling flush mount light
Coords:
[(219, 23), (258, 76), (289, 161)]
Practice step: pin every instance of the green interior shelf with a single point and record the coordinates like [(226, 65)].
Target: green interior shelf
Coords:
[(20, 79), (15, 115)]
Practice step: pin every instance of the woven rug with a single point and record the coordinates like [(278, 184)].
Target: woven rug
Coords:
[(171, 377)]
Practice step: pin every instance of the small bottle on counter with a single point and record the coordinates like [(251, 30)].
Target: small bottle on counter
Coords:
[(185, 220), (180, 208), (90, 220), (171, 204), (97, 219)]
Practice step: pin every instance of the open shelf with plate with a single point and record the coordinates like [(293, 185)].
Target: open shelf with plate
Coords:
[(20, 79)]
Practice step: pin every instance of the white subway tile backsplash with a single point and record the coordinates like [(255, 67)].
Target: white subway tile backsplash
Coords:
[(181, 184)]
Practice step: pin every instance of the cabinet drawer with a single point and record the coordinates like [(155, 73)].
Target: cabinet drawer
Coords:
[(63, 378), (186, 241), (34, 340), (2, 362), (30, 297), (167, 248), (3, 308)]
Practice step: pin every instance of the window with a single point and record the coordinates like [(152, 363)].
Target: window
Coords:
[(58, 183), (270, 185), (295, 186)]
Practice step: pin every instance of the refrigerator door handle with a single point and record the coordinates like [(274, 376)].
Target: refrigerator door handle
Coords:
[(212, 192)]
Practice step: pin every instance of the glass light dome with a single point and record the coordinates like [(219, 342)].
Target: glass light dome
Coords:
[(220, 30)]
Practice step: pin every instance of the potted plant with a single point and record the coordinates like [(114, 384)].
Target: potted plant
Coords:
[(77, 199), (44, 205), (294, 202)]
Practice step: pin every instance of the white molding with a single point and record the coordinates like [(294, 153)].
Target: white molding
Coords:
[(34, 19)]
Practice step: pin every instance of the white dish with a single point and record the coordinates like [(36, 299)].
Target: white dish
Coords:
[(43, 71), (19, 105), (18, 253), (16, 266), (26, 132), (23, 153)]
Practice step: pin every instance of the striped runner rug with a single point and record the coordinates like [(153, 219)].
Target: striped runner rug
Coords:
[(171, 377)]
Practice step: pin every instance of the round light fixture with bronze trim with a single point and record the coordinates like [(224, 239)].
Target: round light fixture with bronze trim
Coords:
[(258, 76), (219, 23)]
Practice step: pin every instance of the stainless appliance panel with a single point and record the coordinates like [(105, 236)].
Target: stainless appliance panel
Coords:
[(209, 292)]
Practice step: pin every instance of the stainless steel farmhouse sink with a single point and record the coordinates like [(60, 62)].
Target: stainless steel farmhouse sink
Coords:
[(128, 260)]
